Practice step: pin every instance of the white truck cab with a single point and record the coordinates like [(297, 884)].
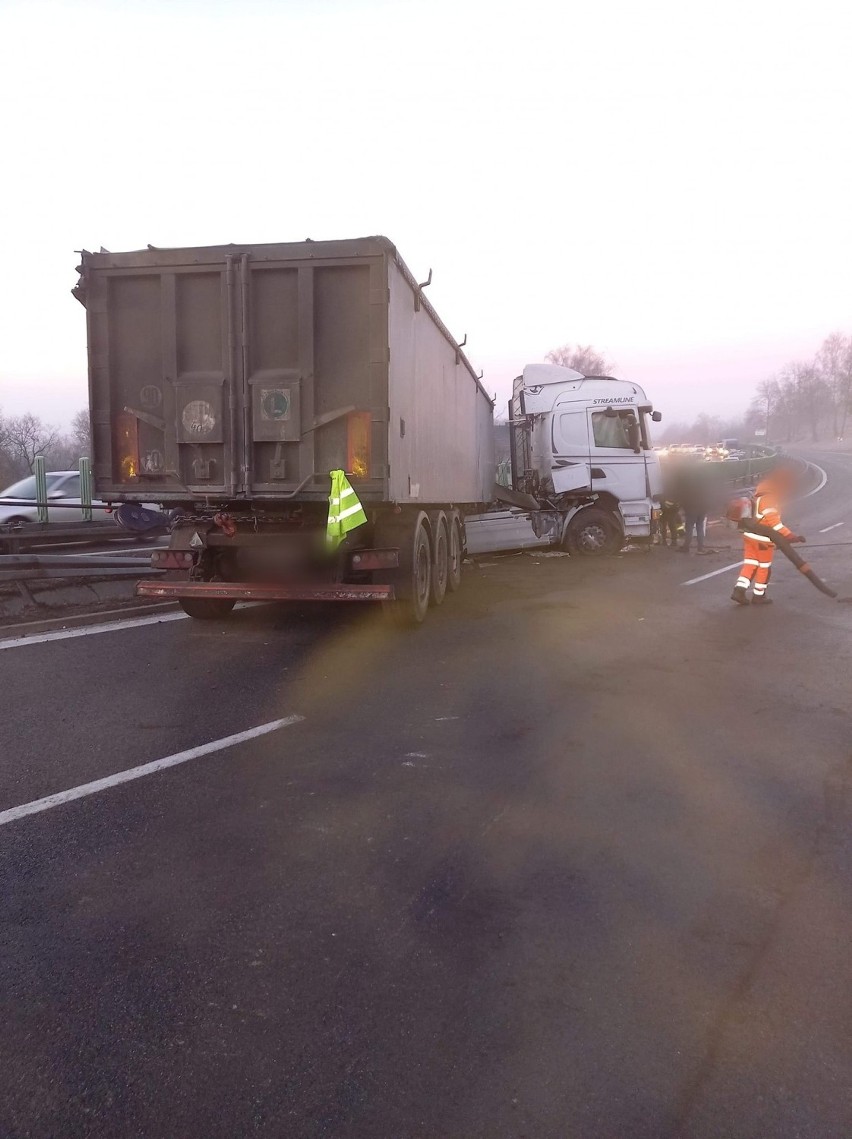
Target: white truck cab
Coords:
[(581, 449)]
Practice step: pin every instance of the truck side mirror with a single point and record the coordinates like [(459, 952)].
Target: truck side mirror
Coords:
[(657, 416)]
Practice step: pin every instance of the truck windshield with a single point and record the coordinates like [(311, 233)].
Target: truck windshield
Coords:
[(611, 430)]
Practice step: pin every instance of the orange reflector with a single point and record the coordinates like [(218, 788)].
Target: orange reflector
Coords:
[(125, 448), (358, 432)]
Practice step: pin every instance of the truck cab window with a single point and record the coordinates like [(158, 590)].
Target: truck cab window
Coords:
[(611, 430)]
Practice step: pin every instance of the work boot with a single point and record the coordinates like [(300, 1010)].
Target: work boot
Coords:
[(740, 595), (761, 599)]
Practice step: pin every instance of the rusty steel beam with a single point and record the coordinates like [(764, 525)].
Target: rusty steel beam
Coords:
[(252, 591)]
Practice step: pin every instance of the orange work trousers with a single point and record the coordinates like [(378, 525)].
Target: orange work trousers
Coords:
[(757, 565)]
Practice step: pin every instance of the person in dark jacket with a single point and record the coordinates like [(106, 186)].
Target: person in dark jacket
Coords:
[(669, 520), (695, 500)]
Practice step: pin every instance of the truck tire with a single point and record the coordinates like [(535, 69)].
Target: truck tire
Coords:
[(440, 558), (455, 553), (207, 608), (593, 533), (413, 580)]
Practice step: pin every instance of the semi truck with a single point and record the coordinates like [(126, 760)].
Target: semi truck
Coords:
[(226, 383)]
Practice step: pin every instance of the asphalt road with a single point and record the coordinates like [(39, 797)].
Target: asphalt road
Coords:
[(573, 860)]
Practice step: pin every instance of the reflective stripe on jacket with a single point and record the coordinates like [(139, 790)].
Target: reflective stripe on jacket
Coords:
[(767, 513)]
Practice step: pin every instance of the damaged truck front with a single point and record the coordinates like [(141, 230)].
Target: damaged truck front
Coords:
[(584, 473)]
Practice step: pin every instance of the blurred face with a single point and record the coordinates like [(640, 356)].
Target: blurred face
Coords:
[(784, 480)]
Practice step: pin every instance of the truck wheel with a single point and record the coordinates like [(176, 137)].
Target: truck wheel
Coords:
[(413, 580), (455, 552), (593, 533), (207, 608), (440, 558)]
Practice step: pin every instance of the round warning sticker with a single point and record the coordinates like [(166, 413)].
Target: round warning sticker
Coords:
[(198, 417), (275, 403)]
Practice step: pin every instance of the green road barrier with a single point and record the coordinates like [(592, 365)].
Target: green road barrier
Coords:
[(86, 489), (40, 472)]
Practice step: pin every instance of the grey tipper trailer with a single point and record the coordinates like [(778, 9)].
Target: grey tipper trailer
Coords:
[(227, 382)]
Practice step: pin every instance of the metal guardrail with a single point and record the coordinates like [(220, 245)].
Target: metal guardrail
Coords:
[(46, 533), (20, 568), (12, 538), (31, 567)]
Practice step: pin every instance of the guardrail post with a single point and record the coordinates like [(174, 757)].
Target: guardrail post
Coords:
[(86, 489), (40, 472)]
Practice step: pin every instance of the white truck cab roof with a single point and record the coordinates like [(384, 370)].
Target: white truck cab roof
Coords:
[(545, 386)]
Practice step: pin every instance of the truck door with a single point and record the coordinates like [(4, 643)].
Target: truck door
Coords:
[(313, 373), (653, 473), (615, 466), (570, 463), (162, 343)]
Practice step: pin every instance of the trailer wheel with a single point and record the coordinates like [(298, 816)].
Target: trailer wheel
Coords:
[(455, 554), (593, 533), (440, 558), (207, 608), (413, 580)]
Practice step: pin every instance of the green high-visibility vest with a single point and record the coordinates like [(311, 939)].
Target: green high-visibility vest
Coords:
[(345, 512)]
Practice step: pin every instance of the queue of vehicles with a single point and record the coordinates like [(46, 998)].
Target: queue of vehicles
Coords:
[(727, 451)]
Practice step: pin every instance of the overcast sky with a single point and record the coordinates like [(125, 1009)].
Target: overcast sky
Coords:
[(671, 182)]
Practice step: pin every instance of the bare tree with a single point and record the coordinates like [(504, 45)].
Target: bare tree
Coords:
[(25, 438), (63, 454), (7, 466), (765, 407), (582, 358), (707, 429), (811, 397), (834, 364), (81, 433)]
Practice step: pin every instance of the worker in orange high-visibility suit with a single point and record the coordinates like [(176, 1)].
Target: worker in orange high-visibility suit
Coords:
[(757, 549)]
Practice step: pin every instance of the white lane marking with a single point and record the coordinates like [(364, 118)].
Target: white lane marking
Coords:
[(822, 481), (56, 800), (90, 630), (109, 627), (713, 573), (834, 527)]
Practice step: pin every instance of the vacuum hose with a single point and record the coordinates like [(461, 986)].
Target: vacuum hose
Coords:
[(786, 548)]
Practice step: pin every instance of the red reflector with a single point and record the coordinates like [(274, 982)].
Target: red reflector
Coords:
[(373, 560), (172, 559)]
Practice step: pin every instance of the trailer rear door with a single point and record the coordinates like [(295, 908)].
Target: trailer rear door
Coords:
[(223, 376)]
